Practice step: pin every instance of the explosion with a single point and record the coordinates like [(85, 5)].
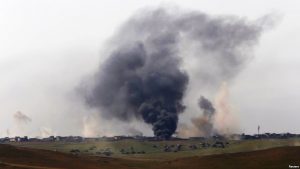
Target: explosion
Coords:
[(143, 76)]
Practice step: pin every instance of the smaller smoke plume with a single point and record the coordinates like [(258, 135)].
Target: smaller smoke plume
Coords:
[(204, 123), (46, 132), (91, 126), (225, 121), (217, 118), (134, 132), (21, 118), (21, 124), (206, 106)]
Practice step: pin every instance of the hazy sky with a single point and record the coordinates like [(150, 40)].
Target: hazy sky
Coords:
[(48, 46)]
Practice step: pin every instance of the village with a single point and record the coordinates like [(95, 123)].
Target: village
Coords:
[(146, 138)]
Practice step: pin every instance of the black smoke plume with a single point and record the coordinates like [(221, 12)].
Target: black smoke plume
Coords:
[(143, 77), (206, 106), (141, 84), (204, 123)]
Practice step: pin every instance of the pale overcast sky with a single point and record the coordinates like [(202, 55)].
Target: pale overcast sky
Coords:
[(48, 46)]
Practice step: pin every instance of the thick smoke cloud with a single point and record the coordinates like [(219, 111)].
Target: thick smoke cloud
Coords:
[(134, 83), (143, 76)]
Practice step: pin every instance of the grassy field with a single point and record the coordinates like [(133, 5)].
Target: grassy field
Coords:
[(28, 158), (155, 150)]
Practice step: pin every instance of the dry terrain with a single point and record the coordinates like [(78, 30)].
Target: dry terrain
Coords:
[(25, 158)]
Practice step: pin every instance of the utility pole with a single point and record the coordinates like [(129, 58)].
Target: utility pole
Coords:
[(258, 129)]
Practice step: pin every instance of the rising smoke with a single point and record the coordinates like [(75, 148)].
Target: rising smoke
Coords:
[(217, 118), (46, 132), (143, 76), (204, 123), (21, 124), (149, 86), (21, 118), (225, 120)]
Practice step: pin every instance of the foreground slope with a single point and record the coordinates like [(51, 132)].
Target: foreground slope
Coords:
[(275, 158), (17, 157), (155, 150)]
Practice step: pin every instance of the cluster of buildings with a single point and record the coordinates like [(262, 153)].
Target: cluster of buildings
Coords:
[(249, 137), (144, 138), (269, 136), (78, 139), (47, 139), (14, 139)]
